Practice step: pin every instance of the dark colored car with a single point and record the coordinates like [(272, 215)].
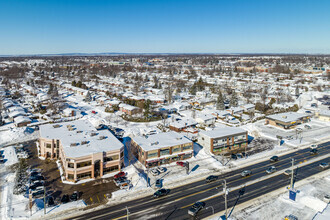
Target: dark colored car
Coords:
[(161, 192), (65, 198), (180, 163), (74, 196), (34, 173), (313, 151), (234, 156), (196, 208), (34, 178), (211, 178), (274, 159), (50, 201), (36, 184), (120, 174), (37, 194)]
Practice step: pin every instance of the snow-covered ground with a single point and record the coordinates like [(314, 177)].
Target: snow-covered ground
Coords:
[(309, 201), (17, 135), (17, 206)]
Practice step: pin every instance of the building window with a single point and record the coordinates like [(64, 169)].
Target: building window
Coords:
[(110, 169), (121, 154), (48, 146), (189, 147), (164, 152), (111, 158), (84, 164), (152, 154), (176, 149), (71, 165), (84, 175), (70, 176)]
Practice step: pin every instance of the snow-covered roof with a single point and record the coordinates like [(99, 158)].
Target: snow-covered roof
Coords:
[(80, 131), (287, 116), (325, 113), (161, 140), (186, 122), (223, 132), (128, 107), (22, 119)]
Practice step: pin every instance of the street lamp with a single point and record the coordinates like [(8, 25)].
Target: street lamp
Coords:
[(211, 208)]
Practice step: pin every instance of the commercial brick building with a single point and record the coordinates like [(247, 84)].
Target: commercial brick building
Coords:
[(84, 152)]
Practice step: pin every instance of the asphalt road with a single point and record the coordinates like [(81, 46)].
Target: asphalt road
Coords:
[(176, 204)]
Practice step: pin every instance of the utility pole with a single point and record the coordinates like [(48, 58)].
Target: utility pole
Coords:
[(225, 189), (291, 185), (127, 213), (44, 200), (147, 177), (30, 201)]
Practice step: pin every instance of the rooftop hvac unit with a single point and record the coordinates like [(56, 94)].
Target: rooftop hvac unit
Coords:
[(73, 144), (284, 116), (102, 137), (70, 128), (79, 132), (84, 142), (56, 126), (93, 134), (155, 143)]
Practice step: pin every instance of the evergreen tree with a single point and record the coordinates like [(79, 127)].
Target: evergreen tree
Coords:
[(297, 91), (220, 102), (234, 100), (88, 97)]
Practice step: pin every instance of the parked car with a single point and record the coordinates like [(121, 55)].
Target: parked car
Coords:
[(308, 112), (120, 174), (271, 169), (211, 178), (299, 129), (274, 159), (121, 182), (246, 173), (126, 186), (324, 165), (326, 198), (50, 201), (65, 198), (158, 183), (161, 169), (180, 163), (313, 151), (154, 172), (38, 194), (196, 208), (288, 172), (74, 196), (33, 178), (2, 160), (290, 217), (239, 155), (233, 156), (35, 173), (308, 126), (161, 192)]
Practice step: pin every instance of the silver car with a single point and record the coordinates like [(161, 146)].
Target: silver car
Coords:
[(246, 173)]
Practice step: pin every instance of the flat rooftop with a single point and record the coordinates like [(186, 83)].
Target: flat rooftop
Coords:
[(80, 138), (287, 116), (161, 140), (223, 132)]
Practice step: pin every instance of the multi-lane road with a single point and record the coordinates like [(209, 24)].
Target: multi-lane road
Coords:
[(176, 204)]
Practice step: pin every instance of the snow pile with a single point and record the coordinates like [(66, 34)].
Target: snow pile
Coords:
[(10, 156), (312, 203), (16, 135)]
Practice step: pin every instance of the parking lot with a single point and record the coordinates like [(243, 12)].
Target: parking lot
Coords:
[(92, 192)]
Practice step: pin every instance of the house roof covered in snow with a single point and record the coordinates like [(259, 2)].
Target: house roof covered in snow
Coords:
[(287, 116), (79, 138), (161, 140)]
